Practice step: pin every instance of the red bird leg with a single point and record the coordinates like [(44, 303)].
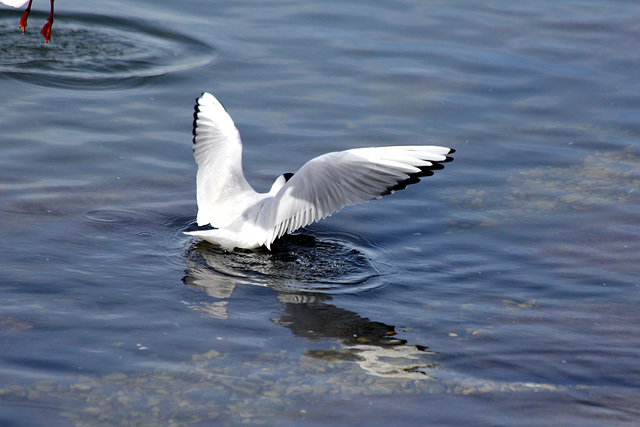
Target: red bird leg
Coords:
[(25, 15), (46, 30)]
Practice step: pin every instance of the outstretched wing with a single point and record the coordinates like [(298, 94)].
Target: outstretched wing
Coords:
[(332, 181), (222, 190)]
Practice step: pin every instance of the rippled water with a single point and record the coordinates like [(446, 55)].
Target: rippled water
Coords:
[(502, 290), (100, 51)]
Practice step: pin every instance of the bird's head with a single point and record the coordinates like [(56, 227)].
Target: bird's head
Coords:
[(279, 183)]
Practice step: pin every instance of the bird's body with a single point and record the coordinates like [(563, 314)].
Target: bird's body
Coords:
[(246, 219)]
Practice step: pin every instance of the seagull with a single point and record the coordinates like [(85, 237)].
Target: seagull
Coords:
[(46, 30), (245, 219)]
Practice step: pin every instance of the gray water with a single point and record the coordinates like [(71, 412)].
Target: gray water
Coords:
[(502, 290)]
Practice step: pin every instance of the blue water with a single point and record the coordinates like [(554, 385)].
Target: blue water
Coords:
[(502, 290)]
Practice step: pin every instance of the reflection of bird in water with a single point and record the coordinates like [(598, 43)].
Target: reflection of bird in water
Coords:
[(372, 345), (244, 218), (46, 30), (309, 315)]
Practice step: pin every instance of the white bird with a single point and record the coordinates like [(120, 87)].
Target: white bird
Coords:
[(246, 219), (46, 30)]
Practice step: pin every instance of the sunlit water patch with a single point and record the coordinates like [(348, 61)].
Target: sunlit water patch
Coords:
[(96, 51), (213, 386), (602, 179)]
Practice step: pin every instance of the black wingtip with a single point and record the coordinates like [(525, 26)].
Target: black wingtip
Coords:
[(414, 178), (448, 158), (195, 118)]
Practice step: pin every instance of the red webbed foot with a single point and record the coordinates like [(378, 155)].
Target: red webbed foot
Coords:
[(46, 30), (23, 20)]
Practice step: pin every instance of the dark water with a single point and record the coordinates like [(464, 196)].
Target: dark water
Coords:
[(503, 290)]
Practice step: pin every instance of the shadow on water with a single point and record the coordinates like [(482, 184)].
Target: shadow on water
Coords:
[(97, 52)]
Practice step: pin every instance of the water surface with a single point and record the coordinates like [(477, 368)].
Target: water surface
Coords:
[(502, 290)]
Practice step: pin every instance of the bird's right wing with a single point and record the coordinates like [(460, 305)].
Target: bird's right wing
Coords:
[(222, 190), (332, 181)]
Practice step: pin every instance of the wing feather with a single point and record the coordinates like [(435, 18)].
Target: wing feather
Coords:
[(223, 193), (332, 181)]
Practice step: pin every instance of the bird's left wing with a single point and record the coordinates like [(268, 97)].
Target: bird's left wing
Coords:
[(332, 181), (223, 193)]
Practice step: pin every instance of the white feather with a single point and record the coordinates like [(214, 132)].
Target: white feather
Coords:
[(223, 193), (246, 219), (14, 3)]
